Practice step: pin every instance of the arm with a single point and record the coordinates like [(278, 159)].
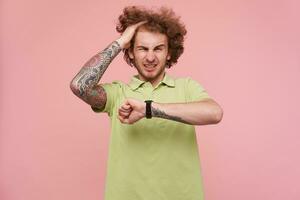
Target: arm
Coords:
[(202, 112), (84, 84), (195, 113)]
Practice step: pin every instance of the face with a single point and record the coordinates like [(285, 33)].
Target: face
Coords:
[(150, 53)]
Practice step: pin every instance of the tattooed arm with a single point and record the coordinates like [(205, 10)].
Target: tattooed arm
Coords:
[(202, 112), (206, 111), (84, 84)]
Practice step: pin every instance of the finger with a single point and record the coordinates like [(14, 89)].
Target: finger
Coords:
[(123, 120), (126, 105), (125, 109), (140, 23), (124, 114), (126, 102)]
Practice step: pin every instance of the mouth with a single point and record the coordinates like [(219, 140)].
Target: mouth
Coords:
[(150, 67)]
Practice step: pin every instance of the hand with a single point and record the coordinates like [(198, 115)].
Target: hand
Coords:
[(131, 111), (127, 35)]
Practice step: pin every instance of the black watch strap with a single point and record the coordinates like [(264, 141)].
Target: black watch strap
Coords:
[(148, 109)]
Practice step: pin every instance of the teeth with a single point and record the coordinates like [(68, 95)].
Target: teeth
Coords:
[(150, 65)]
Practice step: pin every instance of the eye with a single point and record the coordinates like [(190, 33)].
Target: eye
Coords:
[(141, 49)]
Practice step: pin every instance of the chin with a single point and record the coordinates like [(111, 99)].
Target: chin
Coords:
[(150, 75), (147, 77)]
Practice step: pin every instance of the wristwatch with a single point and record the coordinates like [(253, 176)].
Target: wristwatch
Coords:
[(148, 109)]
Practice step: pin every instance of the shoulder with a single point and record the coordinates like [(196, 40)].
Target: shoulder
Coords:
[(193, 90), (113, 85), (113, 89), (185, 81)]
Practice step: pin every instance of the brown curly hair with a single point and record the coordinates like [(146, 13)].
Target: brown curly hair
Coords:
[(164, 21)]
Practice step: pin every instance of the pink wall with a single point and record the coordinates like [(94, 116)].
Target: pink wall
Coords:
[(245, 53)]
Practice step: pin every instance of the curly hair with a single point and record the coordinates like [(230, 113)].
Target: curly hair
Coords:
[(164, 21)]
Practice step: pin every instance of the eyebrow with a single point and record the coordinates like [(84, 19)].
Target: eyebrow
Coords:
[(160, 45)]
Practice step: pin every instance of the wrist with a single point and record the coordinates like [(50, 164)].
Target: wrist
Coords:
[(121, 42), (148, 109), (154, 108)]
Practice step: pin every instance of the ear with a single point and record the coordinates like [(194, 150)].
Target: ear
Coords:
[(130, 53), (169, 56)]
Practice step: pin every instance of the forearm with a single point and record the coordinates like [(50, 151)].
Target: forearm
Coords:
[(92, 71), (195, 113)]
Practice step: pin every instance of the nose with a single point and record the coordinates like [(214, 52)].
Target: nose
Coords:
[(150, 56)]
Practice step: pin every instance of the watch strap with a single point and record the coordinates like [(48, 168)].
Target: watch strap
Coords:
[(148, 109)]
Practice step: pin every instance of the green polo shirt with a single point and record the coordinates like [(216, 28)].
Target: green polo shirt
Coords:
[(153, 159)]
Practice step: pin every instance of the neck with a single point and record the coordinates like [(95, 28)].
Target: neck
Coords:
[(153, 82)]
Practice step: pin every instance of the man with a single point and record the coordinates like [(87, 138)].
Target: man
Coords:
[(153, 152)]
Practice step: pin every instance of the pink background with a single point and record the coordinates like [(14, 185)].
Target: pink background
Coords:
[(245, 53)]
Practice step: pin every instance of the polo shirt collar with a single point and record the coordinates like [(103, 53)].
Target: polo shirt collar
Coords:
[(135, 82)]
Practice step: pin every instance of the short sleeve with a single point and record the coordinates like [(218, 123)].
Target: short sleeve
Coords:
[(112, 93), (195, 91)]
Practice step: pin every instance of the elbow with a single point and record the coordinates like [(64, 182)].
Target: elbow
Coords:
[(214, 117), (218, 115), (74, 88)]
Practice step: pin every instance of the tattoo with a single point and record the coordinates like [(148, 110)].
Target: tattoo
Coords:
[(84, 82), (161, 114), (95, 97)]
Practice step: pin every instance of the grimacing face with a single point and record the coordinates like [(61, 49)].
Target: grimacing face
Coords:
[(150, 53)]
